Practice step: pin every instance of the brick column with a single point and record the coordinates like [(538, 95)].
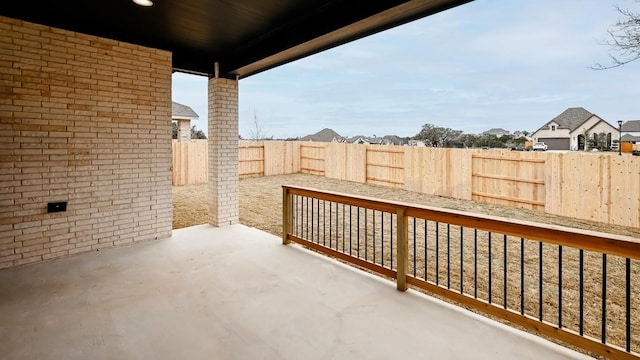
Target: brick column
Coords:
[(223, 152)]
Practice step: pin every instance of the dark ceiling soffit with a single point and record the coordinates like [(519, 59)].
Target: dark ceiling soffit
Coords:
[(388, 19)]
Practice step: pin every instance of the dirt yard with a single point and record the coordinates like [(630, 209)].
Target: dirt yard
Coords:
[(261, 203)]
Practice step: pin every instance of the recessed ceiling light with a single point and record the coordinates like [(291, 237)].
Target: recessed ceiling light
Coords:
[(143, 2)]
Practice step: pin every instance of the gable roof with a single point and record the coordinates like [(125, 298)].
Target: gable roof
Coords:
[(496, 131), (179, 111), (570, 119), (631, 126), (324, 135)]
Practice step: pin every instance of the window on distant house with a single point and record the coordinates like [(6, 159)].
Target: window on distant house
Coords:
[(553, 128)]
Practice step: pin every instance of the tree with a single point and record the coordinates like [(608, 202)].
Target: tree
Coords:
[(437, 136), (256, 133), (624, 39), (197, 134), (174, 130)]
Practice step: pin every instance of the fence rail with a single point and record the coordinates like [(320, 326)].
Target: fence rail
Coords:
[(579, 287), (597, 187)]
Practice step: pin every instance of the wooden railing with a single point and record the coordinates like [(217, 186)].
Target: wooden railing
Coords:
[(579, 287)]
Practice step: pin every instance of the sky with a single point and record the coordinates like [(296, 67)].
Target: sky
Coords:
[(512, 64)]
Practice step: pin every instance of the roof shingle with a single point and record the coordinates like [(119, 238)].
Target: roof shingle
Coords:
[(182, 111)]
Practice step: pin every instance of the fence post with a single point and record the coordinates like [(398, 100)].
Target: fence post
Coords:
[(286, 211), (402, 249)]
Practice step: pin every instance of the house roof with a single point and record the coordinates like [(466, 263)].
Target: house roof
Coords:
[(570, 119), (182, 111), (243, 36), (630, 138), (324, 135), (496, 131), (631, 126)]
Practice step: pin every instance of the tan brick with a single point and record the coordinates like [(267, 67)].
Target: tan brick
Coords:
[(58, 138)]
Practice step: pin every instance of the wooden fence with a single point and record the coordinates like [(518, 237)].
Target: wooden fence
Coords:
[(601, 187), (189, 164)]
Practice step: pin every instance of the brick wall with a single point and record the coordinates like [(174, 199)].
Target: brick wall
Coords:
[(223, 152), (84, 120)]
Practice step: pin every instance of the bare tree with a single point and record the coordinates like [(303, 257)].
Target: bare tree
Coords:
[(256, 133), (624, 40)]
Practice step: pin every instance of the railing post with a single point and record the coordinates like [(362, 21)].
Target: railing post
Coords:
[(402, 249), (286, 211)]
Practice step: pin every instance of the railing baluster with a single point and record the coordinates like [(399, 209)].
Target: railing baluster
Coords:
[(448, 256), (312, 219), (324, 223), (604, 298), (391, 239), (330, 224), (382, 237), (475, 263), (414, 247), (358, 232), (627, 271), (540, 282), (366, 235), (504, 269), (461, 260), (581, 295), (490, 270), (521, 276), (560, 286), (437, 253), (343, 225), (373, 216), (350, 227), (426, 257)]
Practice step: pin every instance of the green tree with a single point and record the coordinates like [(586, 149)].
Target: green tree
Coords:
[(437, 136), (197, 134)]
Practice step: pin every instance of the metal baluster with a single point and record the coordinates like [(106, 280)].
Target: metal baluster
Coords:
[(366, 235), (414, 247), (437, 253), (540, 282), (604, 298), (358, 233), (581, 300), (350, 227), (490, 272), (461, 260), (504, 270), (373, 216), (475, 263), (448, 256), (426, 258), (330, 225), (560, 286), (521, 276), (627, 269), (382, 237), (391, 241)]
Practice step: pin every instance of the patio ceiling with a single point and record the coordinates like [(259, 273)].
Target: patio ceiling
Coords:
[(244, 36)]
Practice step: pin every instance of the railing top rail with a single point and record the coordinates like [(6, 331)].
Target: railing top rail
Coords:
[(620, 245)]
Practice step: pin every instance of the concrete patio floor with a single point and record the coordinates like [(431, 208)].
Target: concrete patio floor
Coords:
[(235, 293)]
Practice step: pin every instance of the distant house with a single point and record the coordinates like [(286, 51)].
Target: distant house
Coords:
[(631, 131), (324, 135), (359, 139), (567, 131), (416, 143), (395, 140), (496, 132), (183, 114)]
